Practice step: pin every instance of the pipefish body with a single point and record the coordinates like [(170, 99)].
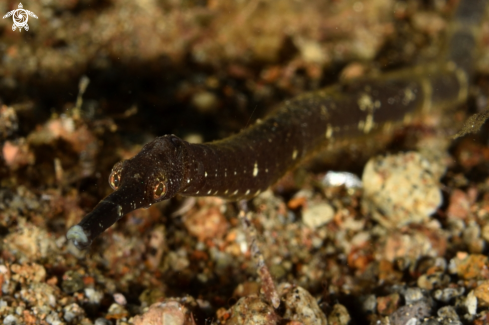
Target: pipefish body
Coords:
[(244, 165)]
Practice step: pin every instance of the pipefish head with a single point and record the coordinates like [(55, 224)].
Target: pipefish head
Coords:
[(155, 174)]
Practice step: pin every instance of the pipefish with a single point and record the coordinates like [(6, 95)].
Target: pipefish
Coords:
[(243, 165)]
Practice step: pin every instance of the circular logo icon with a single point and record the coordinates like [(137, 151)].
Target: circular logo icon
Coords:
[(20, 18)]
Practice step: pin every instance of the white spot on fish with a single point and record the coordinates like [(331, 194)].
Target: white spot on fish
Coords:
[(365, 102), (209, 192), (235, 192), (329, 131), (409, 96), (369, 123), (255, 169), (205, 174), (247, 192), (294, 154)]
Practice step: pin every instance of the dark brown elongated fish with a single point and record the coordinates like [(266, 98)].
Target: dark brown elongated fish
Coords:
[(243, 165)]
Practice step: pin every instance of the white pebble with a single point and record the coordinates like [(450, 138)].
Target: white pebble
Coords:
[(318, 215)]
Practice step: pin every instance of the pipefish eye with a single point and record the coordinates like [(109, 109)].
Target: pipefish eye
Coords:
[(159, 190), (115, 179)]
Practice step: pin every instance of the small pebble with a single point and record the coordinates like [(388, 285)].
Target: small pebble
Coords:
[(473, 266), (370, 304), (73, 312), (485, 232), (172, 311), (251, 310), (412, 295), (53, 319), (448, 314), (353, 70), (388, 304), (311, 51), (205, 102), (102, 321), (339, 315), (447, 294), (400, 189), (433, 280), (301, 306), (10, 320), (459, 205), (116, 311), (471, 302), (405, 314), (151, 296), (208, 222), (317, 215), (345, 179), (120, 299), (9, 122), (472, 238), (72, 282), (34, 272), (93, 296), (482, 292), (429, 23)]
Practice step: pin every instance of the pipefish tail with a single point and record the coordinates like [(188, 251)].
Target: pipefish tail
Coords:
[(244, 165)]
